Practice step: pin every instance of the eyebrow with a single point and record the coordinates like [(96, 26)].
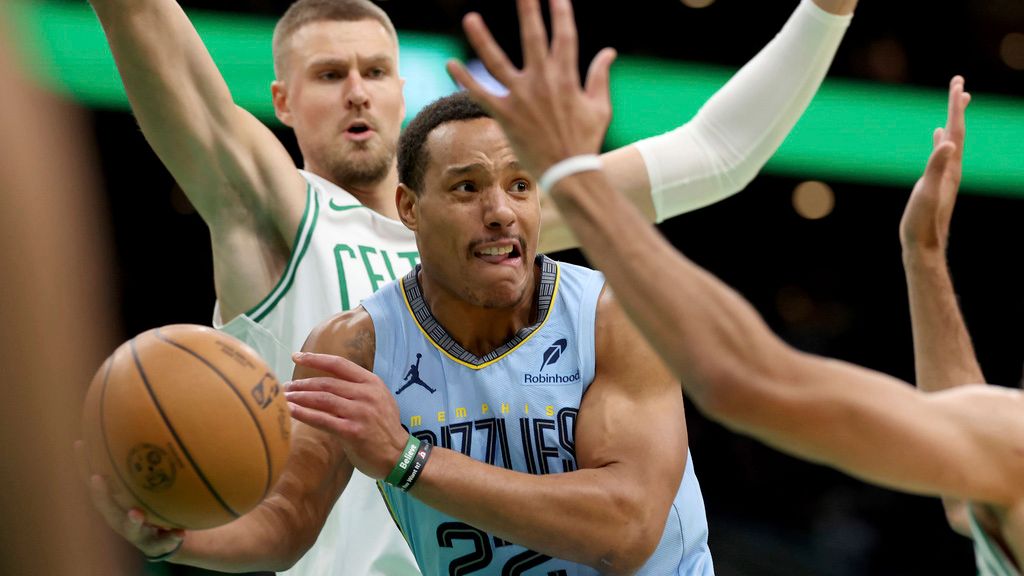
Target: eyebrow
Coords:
[(331, 61), (458, 170)]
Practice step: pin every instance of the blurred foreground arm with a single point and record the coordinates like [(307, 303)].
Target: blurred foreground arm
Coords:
[(720, 150)]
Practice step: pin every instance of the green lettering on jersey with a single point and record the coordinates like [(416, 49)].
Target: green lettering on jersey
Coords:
[(338, 248), (412, 257), (343, 252), (375, 279)]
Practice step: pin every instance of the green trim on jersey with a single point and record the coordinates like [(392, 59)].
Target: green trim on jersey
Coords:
[(989, 556), (303, 237)]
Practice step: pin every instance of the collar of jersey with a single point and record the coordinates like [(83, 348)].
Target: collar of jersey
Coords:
[(547, 289)]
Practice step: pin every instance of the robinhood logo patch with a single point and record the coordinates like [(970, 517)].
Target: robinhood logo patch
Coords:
[(551, 357)]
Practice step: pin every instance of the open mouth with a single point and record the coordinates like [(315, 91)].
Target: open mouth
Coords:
[(499, 253), (358, 128)]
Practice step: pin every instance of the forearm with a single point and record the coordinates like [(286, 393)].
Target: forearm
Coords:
[(588, 516), (697, 324), (728, 142), (260, 540), (943, 354), (278, 532)]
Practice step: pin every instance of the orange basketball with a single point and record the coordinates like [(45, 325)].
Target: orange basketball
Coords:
[(189, 424)]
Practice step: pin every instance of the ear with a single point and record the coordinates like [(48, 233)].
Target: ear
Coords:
[(282, 108), (406, 201)]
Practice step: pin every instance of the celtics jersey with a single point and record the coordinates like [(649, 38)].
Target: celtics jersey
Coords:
[(342, 253), (988, 555), (515, 407)]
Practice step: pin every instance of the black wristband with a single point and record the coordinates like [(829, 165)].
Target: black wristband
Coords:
[(165, 555), (414, 471)]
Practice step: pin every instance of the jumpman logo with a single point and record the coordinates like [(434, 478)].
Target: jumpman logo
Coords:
[(413, 377)]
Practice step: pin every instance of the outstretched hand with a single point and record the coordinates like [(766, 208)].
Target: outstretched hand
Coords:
[(352, 404), (925, 223), (547, 115)]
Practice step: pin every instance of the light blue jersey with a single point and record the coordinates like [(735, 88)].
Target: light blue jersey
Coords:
[(516, 407)]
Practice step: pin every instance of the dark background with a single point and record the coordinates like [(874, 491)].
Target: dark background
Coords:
[(832, 286)]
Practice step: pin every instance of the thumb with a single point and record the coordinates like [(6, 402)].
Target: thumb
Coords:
[(599, 73)]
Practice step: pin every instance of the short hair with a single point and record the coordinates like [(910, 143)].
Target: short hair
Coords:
[(305, 12), (412, 151)]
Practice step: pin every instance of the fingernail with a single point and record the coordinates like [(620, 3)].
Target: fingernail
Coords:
[(299, 355)]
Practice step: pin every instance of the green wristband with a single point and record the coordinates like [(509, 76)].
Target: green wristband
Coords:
[(408, 455)]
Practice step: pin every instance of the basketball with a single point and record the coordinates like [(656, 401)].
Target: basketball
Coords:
[(188, 424)]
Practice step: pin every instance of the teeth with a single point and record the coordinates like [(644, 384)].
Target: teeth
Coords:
[(496, 251)]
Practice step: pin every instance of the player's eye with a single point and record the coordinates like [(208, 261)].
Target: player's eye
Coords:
[(465, 186), (521, 186)]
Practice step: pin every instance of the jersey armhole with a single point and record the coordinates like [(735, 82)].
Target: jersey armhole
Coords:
[(303, 238)]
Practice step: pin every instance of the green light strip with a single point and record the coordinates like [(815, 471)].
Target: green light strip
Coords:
[(71, 54), (853, 131)]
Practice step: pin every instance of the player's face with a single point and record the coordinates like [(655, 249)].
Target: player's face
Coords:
[(343, 98), (478, 216)]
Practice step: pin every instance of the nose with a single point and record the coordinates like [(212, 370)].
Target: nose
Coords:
[(356, 95), (499, 213)]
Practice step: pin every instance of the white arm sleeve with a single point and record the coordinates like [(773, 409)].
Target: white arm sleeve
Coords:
[(720, 150)]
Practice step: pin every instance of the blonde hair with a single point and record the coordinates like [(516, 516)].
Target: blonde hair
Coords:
[(307, 11)]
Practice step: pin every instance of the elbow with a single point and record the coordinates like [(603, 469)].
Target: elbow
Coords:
[(626, 549), (722, 390)]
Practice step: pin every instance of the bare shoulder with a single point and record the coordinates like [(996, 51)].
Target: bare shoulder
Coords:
[(349, 334)]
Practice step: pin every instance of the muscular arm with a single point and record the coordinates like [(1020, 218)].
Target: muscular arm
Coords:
[(610, 513), (872, 426), (239, 177), (720, 150)]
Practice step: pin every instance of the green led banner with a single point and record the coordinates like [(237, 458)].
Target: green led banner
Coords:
[(854, 131), (68, 46)]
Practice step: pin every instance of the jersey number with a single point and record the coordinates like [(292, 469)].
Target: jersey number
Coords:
[(483, 554)]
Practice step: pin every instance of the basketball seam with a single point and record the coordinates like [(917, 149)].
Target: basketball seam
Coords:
[(241, 397), (106, 445), (177, 439)]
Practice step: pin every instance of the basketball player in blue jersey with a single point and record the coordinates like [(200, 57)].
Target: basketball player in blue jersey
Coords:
[(953, 438), (549, 438), (292, 247)]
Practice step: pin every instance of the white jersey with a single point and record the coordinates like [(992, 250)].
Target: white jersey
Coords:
[(343, 252), (989, 556)]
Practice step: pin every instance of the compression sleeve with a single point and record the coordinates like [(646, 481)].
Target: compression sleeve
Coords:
[(720, 150)]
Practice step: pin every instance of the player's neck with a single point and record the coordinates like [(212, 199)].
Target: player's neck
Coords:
[(478, 329)]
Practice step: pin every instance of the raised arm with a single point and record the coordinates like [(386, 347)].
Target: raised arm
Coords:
[(720, 150), (956, 442), (236, 173), (609, 514), (943, 354)]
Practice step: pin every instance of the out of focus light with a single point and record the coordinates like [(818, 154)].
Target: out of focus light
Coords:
[(887, 60), (813, 200), (698, 3), (1011, 49)]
